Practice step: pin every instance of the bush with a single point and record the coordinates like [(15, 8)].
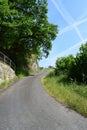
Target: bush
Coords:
[(74, 67)]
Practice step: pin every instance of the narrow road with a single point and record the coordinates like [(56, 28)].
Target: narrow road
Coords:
[(26, 106)]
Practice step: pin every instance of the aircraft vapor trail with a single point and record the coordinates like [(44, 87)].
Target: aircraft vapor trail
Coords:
[(67, 17), (77, 23)]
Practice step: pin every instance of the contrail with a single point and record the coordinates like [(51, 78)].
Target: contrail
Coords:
[(70, 27), (80, 22), (67, 28), (67, 51), (67, 17)]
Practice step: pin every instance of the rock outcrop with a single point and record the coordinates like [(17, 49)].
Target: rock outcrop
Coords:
[(6, 73)]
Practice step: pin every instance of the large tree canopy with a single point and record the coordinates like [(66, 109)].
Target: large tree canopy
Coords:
[(25, 29)]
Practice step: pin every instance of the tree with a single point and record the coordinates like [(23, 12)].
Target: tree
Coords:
[(64, 65), (25, 30), (74, 67), (81, 64)]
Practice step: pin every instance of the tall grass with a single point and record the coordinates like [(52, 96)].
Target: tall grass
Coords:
[(69, 93)]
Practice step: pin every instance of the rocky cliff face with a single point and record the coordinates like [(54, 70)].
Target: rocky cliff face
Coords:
[(6, 73)]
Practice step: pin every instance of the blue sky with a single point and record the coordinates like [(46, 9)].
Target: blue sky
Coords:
[(71, 18)]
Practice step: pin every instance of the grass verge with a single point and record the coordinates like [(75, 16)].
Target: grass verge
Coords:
[(71, 94)]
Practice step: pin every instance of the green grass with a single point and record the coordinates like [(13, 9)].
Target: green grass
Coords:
[(4, 84), (69, 93), (20, 75), (7, 83)]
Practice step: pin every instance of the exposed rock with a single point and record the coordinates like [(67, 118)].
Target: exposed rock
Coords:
[(6, 73), (35, 66)]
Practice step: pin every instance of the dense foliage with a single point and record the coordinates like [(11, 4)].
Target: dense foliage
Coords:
[(25, 29), (74, 67)]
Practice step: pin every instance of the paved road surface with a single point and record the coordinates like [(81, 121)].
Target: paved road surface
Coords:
[(26, 106)]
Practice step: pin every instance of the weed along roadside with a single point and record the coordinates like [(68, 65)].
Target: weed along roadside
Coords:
[(7, 75), (72, 95), (7, 83)]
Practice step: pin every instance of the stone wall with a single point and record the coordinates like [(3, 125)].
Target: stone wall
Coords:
[(35, 66), (6, 73)]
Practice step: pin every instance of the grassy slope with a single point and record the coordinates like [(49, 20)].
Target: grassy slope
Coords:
[(71, 94)]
